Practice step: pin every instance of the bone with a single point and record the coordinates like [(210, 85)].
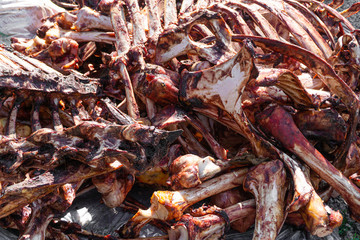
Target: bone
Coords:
[(267, 182), (299, 145), (355, 8), (168, 205), (123, 46), (267, 29), (287, 82), (55, 114), (307, 202), (189, 171), (332, 11), (176, 41), (240, 25), (206, 86), (120, 28), (137, 23), (35, 115), (313, 18), (29, 190), (88, 19), (120, 117), (11, 123), (327, 75), (170, 15), (14, 59), (316, 124), (300, 27), (303, 189), (219, 151), (154, 19), (114, 187), (316, 217), (211, 224), (92, 36), (336, 3), (155, 83), (186, 6), (192, 145), (37, 63), (43, 210), (232, 197)]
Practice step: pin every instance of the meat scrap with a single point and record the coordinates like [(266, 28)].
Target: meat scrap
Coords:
[(249, 107)]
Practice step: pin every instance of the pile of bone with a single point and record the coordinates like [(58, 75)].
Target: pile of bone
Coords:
[(249, 106)]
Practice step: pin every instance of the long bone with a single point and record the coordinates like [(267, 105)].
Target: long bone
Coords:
[(28, 63), (211, 224), (168, 205), (306, 201), (137, 23), (90, 19), (267, 182), (176, 41), (93, 36), (280, 125), (123, 46), (316, 124), (335, 84), (320, 220)]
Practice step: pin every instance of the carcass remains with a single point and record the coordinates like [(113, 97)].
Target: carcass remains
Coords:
[(249, 106)]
